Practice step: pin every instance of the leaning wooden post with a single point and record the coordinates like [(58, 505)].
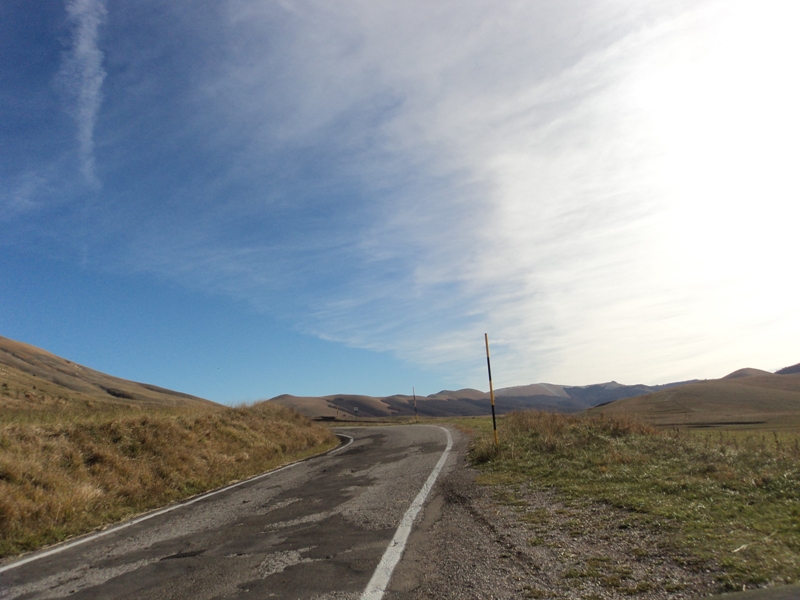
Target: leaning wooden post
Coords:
[(491, 389)]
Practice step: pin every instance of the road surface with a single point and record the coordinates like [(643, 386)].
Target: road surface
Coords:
[(317, 530)]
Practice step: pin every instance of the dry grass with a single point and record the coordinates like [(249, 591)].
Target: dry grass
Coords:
[(727, 498), (59, 479), (771, 401), (35, 383)]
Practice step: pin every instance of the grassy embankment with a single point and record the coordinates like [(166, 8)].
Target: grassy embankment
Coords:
[(66, 472), (728, 498)]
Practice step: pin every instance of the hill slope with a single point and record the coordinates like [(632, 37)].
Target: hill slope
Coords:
[(789, 370), (33, 379), (746, 400), (746, 373)]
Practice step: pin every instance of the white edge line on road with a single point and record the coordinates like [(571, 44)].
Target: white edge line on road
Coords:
[(162, 511), (383, 573)]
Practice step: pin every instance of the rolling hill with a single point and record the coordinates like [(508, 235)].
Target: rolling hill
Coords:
[(33, 379), (746, 373), (748, 397)]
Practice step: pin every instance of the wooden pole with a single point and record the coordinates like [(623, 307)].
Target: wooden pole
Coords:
[(491, 389)]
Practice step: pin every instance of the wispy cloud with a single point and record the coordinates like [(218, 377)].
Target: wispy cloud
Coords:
[(552, 202), (594, 185), (82, 76), (21, 195)]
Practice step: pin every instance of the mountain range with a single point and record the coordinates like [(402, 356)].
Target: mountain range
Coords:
[(34, 379), (470, 402)]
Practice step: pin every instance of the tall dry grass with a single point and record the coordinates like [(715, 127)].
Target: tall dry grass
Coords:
[(63, 479), (534, 432)]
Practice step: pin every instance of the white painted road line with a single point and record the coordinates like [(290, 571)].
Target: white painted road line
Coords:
[(342, 447), (147, 516), (383, 573)]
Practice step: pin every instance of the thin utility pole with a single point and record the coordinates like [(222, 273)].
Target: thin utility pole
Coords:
[(413, 391), (491, 389)]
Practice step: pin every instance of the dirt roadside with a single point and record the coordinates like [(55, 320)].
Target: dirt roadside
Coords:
[(516, 542)]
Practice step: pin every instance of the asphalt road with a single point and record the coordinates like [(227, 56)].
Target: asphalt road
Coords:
[(316, 530)]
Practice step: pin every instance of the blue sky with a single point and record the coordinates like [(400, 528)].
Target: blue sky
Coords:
[(238, 199)]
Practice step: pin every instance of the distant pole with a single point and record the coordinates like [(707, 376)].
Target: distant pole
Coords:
[(491, 389), (413, 391)]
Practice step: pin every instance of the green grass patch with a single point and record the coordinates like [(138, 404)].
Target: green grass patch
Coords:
[(727, 499)]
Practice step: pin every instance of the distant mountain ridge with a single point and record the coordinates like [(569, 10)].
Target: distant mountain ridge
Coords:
[(32, 378), (469, 402), (535, 396)]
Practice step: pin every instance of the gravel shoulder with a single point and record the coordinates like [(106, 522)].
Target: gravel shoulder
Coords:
[(502, 542)]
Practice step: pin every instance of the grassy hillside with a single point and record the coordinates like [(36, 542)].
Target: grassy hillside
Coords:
[(771, 401), (34, 382), (80, 449), (59, 479)]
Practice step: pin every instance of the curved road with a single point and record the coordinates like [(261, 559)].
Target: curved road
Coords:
[(317, 530)]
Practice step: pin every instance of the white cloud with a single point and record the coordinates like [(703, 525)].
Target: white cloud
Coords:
[(82, 76), (612, 215), (606, 188)]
